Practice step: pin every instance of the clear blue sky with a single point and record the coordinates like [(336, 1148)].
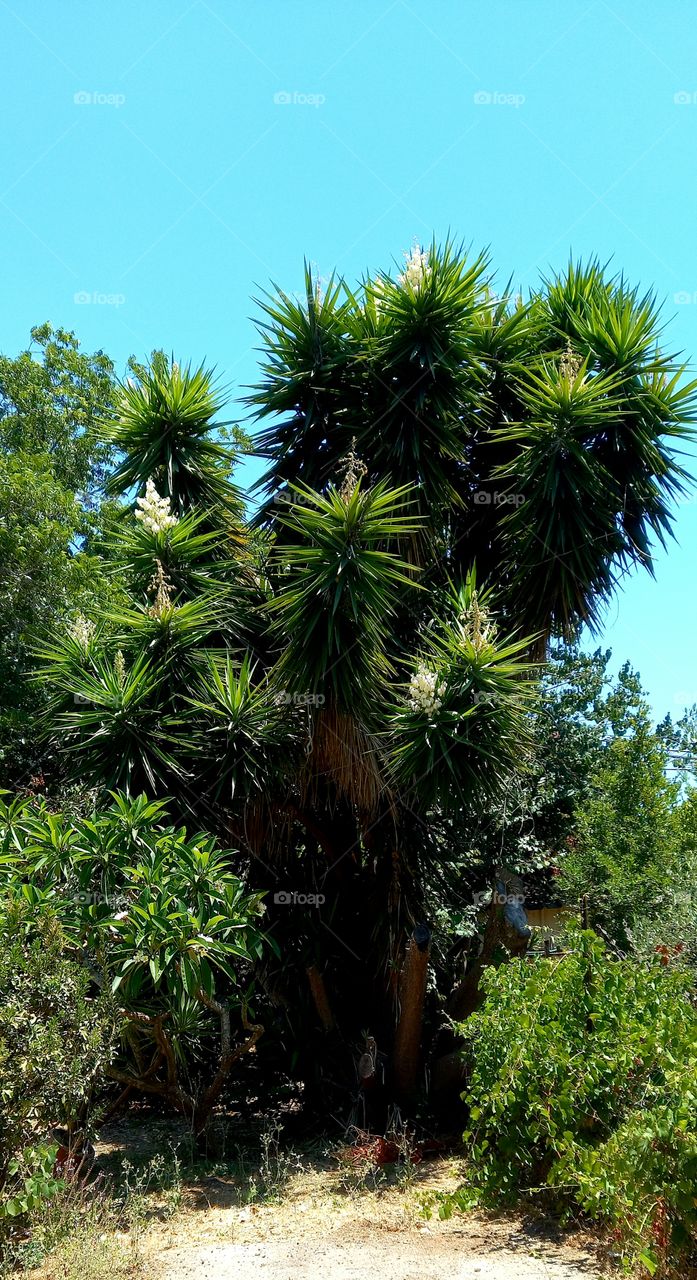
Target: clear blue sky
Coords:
[(183, 185)]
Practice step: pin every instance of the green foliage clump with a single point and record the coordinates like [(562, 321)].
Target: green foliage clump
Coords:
[(630, 847), (582, 1079), (539, 435), (53, 463), (625, 851), (57, 1037), (155, 917), (162, 423)]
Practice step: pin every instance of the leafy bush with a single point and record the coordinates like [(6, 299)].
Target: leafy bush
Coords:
[(159, 919), (645, 1176), (673, 930), (55, 1040), (582, 1078)]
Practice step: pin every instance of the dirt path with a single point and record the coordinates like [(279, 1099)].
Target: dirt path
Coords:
[(315, 1223), (408, 1256), (360, 1241)]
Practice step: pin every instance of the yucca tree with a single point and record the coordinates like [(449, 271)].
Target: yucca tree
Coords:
[(295, 724), (164, 424), (454, 477), (539, 441), (540, 436)]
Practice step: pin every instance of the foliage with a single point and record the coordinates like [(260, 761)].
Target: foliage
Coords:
[(162, 423), (157, 917), (339, 590), (530, 826), (538, 436), (56, 1039), (603, 819), (37, 521), (52, 465), (345, 685), (581, 1078), (631, 855), (31, 1181), (109, 714), (643, 1177), (52, 398), (672, 931), (92, 1229), (193, 558), (470, 740)]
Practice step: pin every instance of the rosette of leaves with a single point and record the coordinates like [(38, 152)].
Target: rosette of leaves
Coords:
[(165, 425), (465, 740)]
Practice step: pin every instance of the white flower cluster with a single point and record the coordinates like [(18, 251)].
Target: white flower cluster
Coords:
[(155, 513), (570, 363), (82, 630), (417, 270), (423, 690), (161, 585), (120, 668), (478, 626)]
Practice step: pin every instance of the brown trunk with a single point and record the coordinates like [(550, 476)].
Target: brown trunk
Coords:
[(412, 993), (320, 997), (448, 1070), (465, 998), (203, 1108), (170, 1089)]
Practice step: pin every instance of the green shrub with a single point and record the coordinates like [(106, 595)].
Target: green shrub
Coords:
[(644, 1178), (160, 919), (55, 1041), (582, 1078)]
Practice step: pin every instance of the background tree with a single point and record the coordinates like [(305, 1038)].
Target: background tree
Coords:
[(52, 468), (629, 855)]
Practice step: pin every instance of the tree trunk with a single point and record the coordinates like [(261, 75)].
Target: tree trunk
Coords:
[(320, 997), (412, 993)]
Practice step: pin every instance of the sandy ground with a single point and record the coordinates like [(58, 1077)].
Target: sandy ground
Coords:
[(319, 1224), (315, 1234), (470, 1252)]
